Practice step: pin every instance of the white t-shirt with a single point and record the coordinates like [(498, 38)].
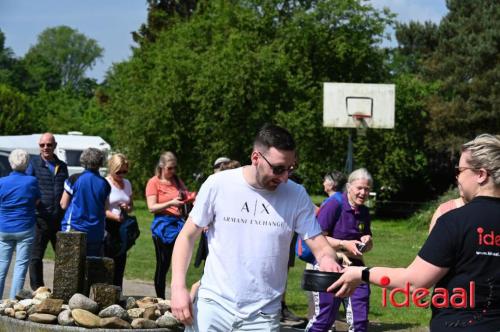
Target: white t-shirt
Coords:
[(249, 240), (118, 196)]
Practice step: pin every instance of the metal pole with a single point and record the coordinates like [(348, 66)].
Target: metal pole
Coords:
[(349, 160)]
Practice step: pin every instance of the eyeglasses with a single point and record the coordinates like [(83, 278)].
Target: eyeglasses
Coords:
[(42, 145), (171, 168), (122, 172), (459, 170), (278, 170)]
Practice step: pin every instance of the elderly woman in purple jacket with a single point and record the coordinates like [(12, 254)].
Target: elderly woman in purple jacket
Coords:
[(346, 223)]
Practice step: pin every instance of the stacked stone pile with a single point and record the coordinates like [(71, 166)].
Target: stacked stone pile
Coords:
[(41, 307)]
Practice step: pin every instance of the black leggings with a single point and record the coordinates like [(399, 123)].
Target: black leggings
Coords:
[(163, 258)]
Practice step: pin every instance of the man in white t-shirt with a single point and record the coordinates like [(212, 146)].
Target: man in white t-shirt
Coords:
[(252, 213)]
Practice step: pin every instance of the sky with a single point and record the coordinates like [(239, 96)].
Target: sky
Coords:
[(110, 22)]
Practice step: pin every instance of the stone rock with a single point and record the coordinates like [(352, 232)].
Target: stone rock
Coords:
[(19, 307), (85, 318), (50, 306), (141, 323), (40, 296), (32, 310), (80, 301), (9, 312), (167, 321), (41, 289), (105, 295), (163, 306), (149, 312), (114, 323), (131, 303), (69, 265), (7, 303), (135, 313), (99, 270), (146, 302), (24, 294), (20, 315), (65, 307), (114, 311), (42, 318), (26, 303), (65, 319)]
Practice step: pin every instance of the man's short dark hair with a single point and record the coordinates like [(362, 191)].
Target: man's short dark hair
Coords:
[(274, 136)]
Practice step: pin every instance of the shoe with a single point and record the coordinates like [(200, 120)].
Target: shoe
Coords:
[(287, 315)]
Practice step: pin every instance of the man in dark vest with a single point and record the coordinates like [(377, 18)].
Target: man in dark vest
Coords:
[(51, 174)]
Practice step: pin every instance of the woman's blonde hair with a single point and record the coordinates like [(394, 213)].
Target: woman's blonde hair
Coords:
[(116, 162), (164, 159), (485, 153)]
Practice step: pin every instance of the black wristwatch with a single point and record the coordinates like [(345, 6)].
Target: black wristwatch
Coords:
[(365, 274)]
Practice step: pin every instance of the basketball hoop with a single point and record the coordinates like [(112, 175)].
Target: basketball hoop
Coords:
[(358, 106)]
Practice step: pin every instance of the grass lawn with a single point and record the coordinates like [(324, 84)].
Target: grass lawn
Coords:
[(396, 243)]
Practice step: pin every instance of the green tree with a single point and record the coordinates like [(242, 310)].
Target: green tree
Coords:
[(60, 58), (417, 42), (162, 14), (64, 110), (206, 84), (11, 72), (466, 63), (15, 113)]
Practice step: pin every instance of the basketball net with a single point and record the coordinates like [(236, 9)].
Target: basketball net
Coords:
[(360, 123)]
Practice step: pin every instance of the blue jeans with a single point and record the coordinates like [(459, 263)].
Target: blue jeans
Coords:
[(21, 242), (211, 316)]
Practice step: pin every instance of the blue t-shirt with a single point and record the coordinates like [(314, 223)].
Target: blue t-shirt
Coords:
[(18, 195), (86, 211)]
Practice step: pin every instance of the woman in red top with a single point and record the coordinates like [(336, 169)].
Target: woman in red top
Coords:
[(164, 196)]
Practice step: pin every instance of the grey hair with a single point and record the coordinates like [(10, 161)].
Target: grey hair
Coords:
[(485, 153), (18, 160), (360, 174), (92, 159)]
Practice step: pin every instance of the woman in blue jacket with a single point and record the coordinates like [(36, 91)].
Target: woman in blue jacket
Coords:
[(19, 195)]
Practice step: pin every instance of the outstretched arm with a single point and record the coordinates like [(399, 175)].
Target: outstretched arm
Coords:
[(420, 273), (181, 301)]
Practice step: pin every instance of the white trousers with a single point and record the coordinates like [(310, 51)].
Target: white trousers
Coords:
[(210, 316)]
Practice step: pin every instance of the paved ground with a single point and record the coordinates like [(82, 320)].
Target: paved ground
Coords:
[(141, 288)]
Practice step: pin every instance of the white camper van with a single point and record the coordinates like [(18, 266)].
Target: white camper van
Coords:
[(69, 148)]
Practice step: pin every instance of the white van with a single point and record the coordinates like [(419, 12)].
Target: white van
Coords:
[(69, 148)]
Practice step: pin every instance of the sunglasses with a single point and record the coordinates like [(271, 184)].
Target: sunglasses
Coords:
[(459, 170), (278, 170), (122, 172), (43, 145), (171, 168)]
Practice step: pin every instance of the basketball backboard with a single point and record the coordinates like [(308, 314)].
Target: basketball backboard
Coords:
[(354, 105)]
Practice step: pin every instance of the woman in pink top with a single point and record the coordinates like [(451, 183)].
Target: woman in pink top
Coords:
[(165, 194)]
